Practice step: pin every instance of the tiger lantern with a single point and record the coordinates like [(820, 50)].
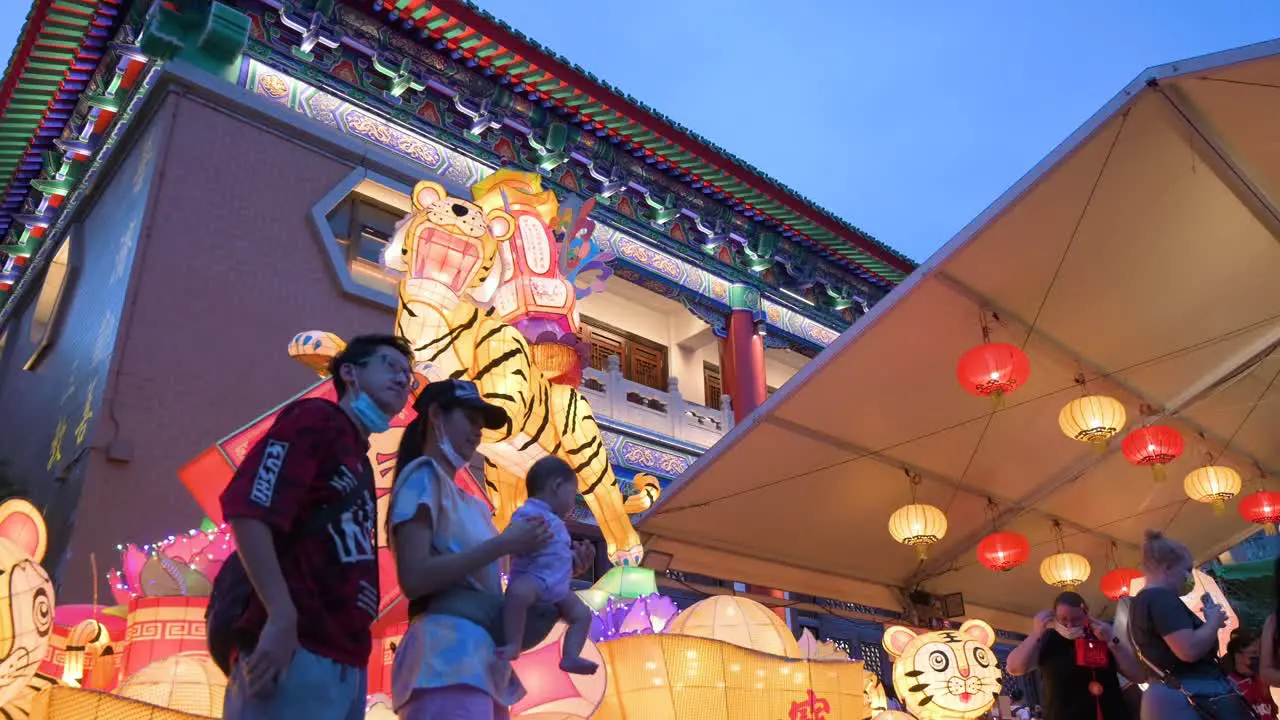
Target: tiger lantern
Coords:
[(490, 294), (945, 674)]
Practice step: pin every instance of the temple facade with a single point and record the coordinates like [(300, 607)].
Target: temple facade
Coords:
[(190, 184)]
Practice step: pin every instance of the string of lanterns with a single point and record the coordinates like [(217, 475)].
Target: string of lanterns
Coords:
[(995, 370)]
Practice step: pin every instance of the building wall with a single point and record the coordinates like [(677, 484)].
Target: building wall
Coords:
[(54, 410), (228, 270)]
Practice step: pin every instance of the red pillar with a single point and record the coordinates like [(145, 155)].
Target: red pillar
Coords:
[(745, 351), (781, 595)]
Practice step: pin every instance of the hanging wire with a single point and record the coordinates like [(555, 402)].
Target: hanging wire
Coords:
[(1240, 426), (1075, 231)]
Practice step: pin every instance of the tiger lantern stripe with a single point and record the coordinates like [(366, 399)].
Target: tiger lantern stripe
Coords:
[(449, 251)]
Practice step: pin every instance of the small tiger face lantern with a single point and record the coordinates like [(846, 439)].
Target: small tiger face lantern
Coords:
[(946, 674)]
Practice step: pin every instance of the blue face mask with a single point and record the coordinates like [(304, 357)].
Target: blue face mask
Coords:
[(369, 414)]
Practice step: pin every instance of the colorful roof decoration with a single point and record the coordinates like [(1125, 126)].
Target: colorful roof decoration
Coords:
[(57, 53), (482, 40)]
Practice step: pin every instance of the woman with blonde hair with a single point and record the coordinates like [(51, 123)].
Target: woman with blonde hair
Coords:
[(1179, 648)]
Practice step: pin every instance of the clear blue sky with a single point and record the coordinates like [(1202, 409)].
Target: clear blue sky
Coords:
[(905, 118)]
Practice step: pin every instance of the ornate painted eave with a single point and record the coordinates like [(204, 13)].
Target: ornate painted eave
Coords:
[(483, 41), (56, 55)]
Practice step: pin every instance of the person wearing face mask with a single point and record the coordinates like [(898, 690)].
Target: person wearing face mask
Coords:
[(1078, 658), (305, 578), (448, 555), (1180, 649), (1242, 663)]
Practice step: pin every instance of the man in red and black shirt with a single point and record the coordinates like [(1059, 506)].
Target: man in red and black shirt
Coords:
[(306, 630)]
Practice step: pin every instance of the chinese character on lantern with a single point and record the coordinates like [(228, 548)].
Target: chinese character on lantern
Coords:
[(811, 708)]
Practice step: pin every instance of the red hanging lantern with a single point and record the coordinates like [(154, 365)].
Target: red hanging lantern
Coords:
[(1003, 551), (993, 369), (1115, 584), (1154, 445), (1262, 508)]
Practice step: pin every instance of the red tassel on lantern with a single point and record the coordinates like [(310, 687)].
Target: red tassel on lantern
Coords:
[(993, 370), (1154, 445), (1003, 551), (1115, 584), (1262, 508)]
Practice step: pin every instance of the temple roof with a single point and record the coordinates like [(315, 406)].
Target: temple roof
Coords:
[(476, 36), (63, 43), (53, 60)]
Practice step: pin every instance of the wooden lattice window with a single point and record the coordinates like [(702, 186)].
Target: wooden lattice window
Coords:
[(643, 361), (713, 385)]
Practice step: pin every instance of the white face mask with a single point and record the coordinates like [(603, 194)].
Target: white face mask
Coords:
[(1070, 633), (446, 446)]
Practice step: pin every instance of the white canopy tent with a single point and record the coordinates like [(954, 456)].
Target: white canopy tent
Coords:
[(1142, 253)]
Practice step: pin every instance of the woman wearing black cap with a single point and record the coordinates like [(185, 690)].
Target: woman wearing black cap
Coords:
[(447, 553)]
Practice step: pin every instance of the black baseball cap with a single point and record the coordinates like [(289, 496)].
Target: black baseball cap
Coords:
[(453, 393)]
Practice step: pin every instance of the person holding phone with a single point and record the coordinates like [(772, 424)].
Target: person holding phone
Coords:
[(1078, 658), (1187, 683)]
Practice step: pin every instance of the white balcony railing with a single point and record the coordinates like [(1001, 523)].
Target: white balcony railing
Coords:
[(665, 413)]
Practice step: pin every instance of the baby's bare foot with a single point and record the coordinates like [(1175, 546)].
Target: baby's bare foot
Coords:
[(578, 666)]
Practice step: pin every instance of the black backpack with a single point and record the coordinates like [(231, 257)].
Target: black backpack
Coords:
[(229, 599)]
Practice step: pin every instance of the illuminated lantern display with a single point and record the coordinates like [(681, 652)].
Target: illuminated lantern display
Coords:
[(1003, 551), (812, 649), (1118, 583), (161, 627), (187, 682), (993, 370), (1153, 445), (551, 693), (628, 582), (649, 614), (1065, 570), (918, 525), (1213, 484), (739, 621), (1262, 508), (26, 597), (670, 677), (945, 675), (1092, 419)]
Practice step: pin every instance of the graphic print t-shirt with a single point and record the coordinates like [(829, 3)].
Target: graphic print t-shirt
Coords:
[(314, 456)]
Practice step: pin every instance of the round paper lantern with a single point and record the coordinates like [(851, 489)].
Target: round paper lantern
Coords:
[(1262, 508), (738, 621), (1092, 419), (1213, 484), (918, 525), (993, 369), (1115, 584), (1065, 570), (1153, 445), (1003, 551), (551, 693), (186, 682)]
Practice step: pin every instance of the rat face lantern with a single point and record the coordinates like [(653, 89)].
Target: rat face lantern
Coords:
[(26, 597)]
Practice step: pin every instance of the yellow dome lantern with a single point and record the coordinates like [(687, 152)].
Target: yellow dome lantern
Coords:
[(1092, 419), (918, 525), (1213, 484), (1066, 570), (186, 682), (738, 621)]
